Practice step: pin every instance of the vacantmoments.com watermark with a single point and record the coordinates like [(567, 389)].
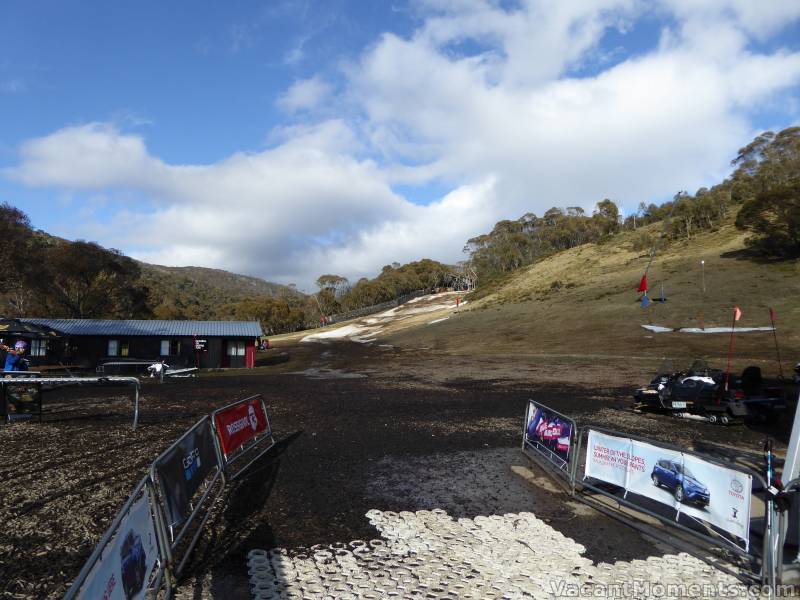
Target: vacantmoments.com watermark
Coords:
[(634, 590)]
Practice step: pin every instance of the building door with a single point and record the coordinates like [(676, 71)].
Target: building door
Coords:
[(250, 354)]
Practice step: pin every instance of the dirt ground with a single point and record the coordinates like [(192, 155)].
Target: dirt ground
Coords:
[(360, 427)]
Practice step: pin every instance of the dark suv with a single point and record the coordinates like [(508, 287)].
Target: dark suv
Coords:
[(134, 564), (680, 480)]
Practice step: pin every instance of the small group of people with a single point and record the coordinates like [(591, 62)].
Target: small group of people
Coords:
[(157, 368), (15, 357)]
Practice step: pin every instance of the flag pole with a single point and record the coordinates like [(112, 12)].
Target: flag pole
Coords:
[(777, 348), (730, 350)]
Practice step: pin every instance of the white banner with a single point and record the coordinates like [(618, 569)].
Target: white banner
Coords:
[(607, 458), (127, 561), (729, 494), (686, 483), (643, 479)]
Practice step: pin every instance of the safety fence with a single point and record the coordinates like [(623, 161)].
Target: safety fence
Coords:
[(22, 395), (149, 542), (369, 310), (701, 500)]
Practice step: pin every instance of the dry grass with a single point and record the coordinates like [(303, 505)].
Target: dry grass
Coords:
[(592, 311)]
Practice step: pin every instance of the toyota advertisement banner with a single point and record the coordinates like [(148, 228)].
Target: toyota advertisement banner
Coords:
[(689, 485), (128, 561), (240, 423), (549, 434), (182, 470)]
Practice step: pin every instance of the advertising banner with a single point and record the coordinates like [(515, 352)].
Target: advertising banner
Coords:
[(127, 561), (644, 468), (717, 495), (607, 458), (22, 401), (684, 482), (549, 434), (182, 470), (240, 423)]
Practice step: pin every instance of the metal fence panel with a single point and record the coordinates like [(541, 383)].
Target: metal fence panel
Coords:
[(241, 428), (22, 400), (127, 563), (181, 470), (59, 381), (612, 456), (551, 437)]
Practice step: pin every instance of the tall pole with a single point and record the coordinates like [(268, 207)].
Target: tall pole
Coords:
[(730, 351), (775, 335), (703, 275), (703, 294)]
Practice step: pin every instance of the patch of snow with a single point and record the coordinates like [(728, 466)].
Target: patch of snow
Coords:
[(348, 331), (326, 373), (658, 328), (661, 329), (438, 320), (426, 309), (723, 329)]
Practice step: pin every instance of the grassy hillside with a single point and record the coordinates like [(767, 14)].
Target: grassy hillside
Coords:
[(583, 302), (198, 292)]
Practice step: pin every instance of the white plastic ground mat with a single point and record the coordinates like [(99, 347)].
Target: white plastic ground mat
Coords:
[(428, 554)]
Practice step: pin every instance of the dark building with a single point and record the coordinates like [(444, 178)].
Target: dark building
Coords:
[(205, 344)]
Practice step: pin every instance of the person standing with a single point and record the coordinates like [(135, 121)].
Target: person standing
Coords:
[(15, 357)]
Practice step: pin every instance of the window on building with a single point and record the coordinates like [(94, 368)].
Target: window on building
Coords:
[(170, 347), (38, 347), (235, 347), (118, 348)]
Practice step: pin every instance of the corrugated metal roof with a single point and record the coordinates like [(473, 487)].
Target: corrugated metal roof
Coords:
[(109, 327)]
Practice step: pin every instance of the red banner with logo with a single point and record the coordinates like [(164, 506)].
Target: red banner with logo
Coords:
[(239, 424)]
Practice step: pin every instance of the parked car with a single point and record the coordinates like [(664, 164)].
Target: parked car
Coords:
[(133, 562), (677, 478), (700, 390)]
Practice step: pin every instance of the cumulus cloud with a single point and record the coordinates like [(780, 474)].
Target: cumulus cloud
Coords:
[(306, 94), (490, 101)]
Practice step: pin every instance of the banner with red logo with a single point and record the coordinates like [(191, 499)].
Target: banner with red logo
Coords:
[(240, 423), (549, 433)]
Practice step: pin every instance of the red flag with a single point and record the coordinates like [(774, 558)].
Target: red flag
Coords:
[(737, 314), (643, 284)]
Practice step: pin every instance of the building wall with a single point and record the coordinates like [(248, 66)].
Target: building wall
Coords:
[(89, 351)]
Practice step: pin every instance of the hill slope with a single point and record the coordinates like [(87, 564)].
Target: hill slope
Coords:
[(197, 292), (583, 302)]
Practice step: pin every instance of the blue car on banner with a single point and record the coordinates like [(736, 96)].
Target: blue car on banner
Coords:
[(133, 563), (677, 478)]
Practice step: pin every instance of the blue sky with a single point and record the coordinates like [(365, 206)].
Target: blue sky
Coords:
[(287, 139)]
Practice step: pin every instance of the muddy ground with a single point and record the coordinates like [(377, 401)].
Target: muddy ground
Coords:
[(359, 427)]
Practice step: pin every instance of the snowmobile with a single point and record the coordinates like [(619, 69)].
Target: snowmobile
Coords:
[(701, 391)]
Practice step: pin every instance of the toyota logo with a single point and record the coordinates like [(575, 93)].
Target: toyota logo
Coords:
[(737, 486)]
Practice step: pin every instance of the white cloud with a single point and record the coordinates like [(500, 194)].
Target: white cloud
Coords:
[(480, 98), (306, 94), (88, 156)]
